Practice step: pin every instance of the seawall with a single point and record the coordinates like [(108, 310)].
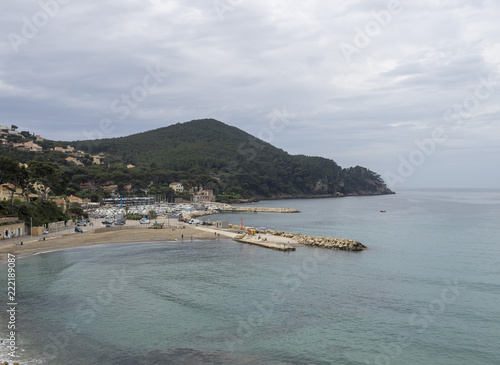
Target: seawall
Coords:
[(226, 208)]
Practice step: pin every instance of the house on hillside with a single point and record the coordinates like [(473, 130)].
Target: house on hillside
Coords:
[(110, 188), (29, 146), (96, 160), (6, 192), (177, 187), (130, 166), (39, 138), (89, 185), (75, 199), (61, 203), (74, 160), (204, 196)]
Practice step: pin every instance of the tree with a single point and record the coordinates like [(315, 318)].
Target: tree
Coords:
[(19, 179), (48, 178), (7, 169), (13, 127), (76, 210), (14, 138)]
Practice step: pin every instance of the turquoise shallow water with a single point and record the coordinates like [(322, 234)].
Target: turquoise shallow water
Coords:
[(426, 291)]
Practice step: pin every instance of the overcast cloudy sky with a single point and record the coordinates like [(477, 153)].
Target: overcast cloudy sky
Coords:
[(409, 89)]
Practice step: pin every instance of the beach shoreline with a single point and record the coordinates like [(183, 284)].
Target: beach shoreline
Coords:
[(130, 234), (91, 238)]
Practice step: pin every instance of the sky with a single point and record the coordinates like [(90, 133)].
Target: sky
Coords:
[(408, 89)]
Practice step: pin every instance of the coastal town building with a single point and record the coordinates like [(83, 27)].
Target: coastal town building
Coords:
[(130, 166), (74, 160), (29, 146), (177, 187), (61, 203), (7, 189), (204, 196), (75, 199), (110, 188), (10, 227)]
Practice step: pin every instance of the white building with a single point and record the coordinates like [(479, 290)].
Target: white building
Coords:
[(177, 187)]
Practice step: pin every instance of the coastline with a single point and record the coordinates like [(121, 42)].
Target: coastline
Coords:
[(183, 232), (100, 236), (91, 238), (306, 196)]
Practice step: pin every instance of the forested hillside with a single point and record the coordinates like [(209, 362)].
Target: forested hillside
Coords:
[(231, 161), (204, 154)]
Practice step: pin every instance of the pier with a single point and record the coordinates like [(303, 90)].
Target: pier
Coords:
[(273, 245)]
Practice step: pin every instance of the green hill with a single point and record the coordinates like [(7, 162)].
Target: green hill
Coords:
[(230, 161)]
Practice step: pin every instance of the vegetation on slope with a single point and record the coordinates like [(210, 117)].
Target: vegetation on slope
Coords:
[(209, 154)]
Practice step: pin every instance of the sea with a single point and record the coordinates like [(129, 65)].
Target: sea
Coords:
[(426, 291)]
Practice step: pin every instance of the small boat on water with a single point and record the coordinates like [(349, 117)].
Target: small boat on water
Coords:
[(382, 211)]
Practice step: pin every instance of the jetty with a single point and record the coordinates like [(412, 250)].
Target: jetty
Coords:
[(342, 244), (226, 208), (277, 240), (232, 209), (263, 242)]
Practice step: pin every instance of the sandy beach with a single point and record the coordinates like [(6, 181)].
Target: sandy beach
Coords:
[(104, 236), (90, 238)]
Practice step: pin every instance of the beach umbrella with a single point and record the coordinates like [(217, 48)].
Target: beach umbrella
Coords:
[(262, 228)]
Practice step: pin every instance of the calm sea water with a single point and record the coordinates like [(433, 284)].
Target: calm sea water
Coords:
[(426, 292)]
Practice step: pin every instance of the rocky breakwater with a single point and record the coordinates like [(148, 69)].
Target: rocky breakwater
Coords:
[(343, 244), (332, 243), (230, 208), (226, 208), (199, 213)]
